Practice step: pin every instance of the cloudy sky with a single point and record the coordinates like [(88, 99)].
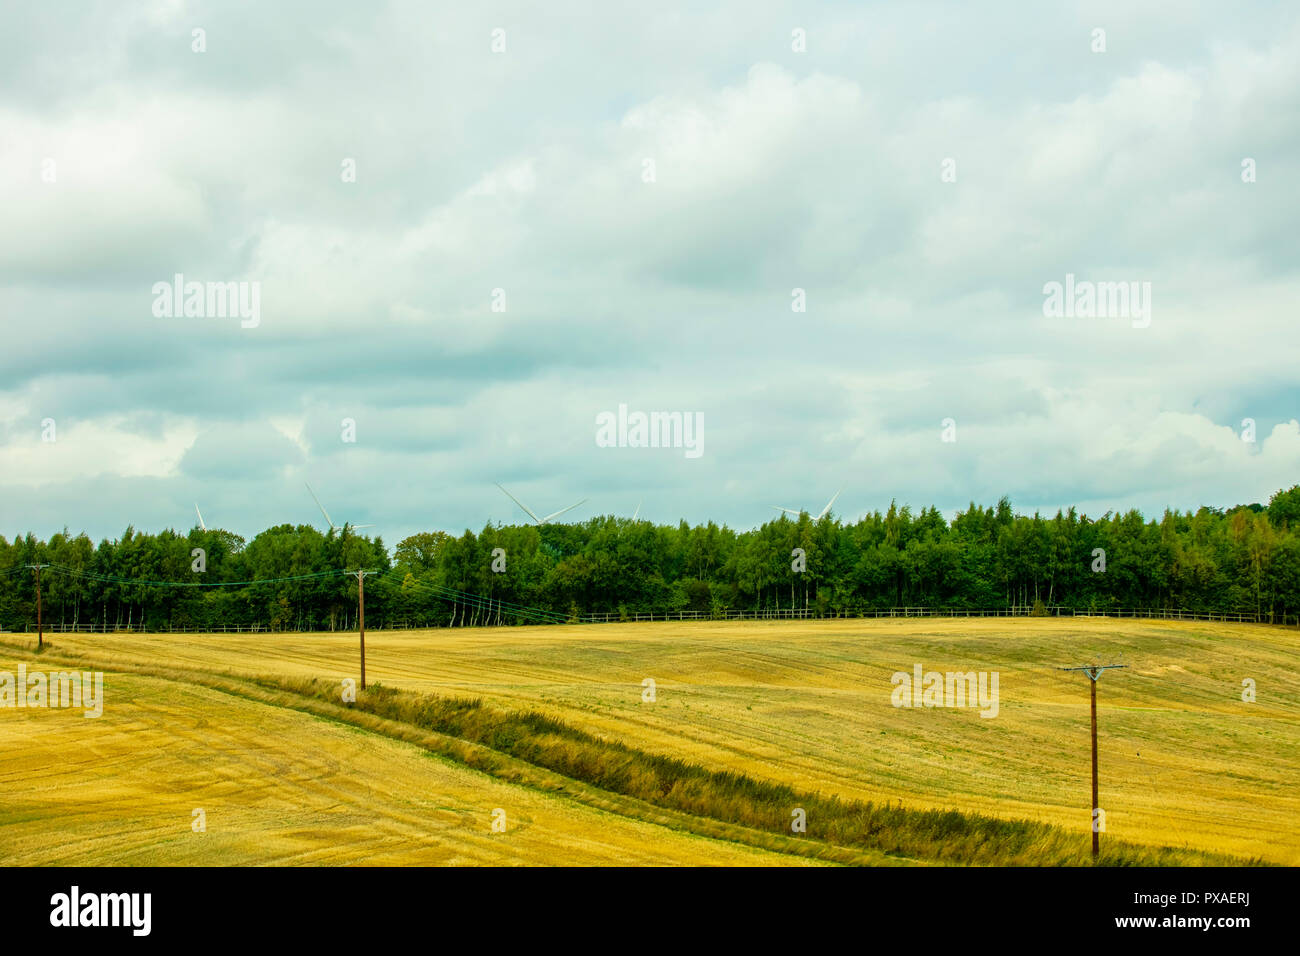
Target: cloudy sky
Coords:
[(646, 185)]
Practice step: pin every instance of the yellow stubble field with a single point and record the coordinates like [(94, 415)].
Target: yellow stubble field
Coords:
[(1185, 761), (278, 787)]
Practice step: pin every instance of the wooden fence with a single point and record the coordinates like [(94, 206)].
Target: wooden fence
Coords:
[(786, 614), (167, 629), (771, 614)]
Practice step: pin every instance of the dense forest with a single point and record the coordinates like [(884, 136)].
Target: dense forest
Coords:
[(289, 577)]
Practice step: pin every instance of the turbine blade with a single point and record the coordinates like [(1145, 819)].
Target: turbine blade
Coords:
[(522, 505), (637, 512), (200, 514), (826, 510), (788, 511), (320, 506), (562, 511)]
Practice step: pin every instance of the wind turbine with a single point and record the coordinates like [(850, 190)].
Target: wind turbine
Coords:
[(825, 511), (200, 514), (333, 526), (537, 520), (637, 512)]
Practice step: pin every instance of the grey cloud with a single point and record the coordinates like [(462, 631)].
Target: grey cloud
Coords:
[(239, 452)]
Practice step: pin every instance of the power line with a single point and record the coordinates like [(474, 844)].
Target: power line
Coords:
[(476, 601), (482, 603)]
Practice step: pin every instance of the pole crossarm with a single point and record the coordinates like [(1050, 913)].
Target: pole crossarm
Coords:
[(1094, 670)]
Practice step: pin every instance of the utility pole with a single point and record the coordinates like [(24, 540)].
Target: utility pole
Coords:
[(1094, 672), (361, 617), (40, 632)]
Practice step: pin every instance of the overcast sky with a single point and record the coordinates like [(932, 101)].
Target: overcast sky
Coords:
[(127, 157)]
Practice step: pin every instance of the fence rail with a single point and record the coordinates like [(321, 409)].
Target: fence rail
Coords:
[(785, 614), (727, 614), (1180, 615), (166, 629)]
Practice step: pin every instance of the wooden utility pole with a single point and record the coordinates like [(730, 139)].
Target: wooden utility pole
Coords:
[(1096, 836), (40, 629), (361, 617), (1094, 672)]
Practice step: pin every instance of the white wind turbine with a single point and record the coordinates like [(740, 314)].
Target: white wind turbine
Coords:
[(537, 520), (824, 512), (200, 514), (333, 526)]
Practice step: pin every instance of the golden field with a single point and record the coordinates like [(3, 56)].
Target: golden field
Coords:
[(280, 787), (1184, 760)]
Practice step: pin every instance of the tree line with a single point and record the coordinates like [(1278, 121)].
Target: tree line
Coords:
[(290, 577)]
